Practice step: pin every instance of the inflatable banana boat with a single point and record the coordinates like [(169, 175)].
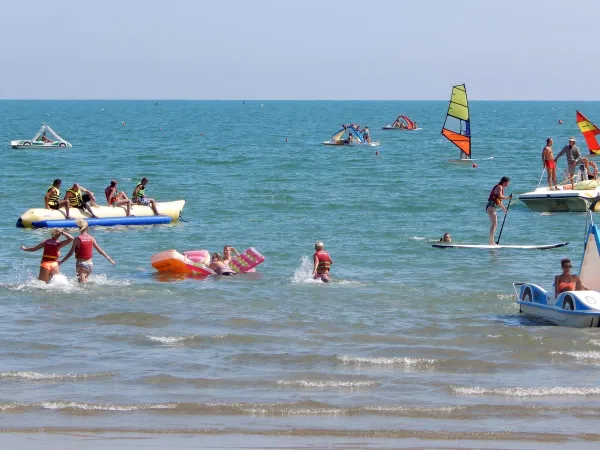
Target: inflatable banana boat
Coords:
[(107, 216), (195, 262)]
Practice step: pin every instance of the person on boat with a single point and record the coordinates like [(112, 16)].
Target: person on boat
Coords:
[(49, 265), (227, 253), (139, 196), (219, 266), (567, 281), (396, 123), (366, 134), (82, 247), (322, 263), (591, 169), (573, 155), (76, 199), (115, 198), (495, 200), (44, 139), (446, 238), (52, 198), (549, 164), (349, 139)]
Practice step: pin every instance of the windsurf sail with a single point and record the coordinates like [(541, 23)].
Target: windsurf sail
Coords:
[(457, 126), (589, 131)]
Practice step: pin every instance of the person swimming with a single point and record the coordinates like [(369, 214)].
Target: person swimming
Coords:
[(446, 238), (219, 266)]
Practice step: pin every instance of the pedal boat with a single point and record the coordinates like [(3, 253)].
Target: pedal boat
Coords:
[(356, 136), (577, 309), (55, 141)]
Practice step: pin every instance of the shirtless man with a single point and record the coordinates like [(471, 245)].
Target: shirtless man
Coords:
[(549, 164), (221, 268)]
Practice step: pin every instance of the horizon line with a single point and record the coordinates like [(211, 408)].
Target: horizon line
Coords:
[(283, 100)]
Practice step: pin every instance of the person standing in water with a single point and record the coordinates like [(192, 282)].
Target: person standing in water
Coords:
[(49, 265), (322, 263), (494, 201), (549, 164), (82, 247)]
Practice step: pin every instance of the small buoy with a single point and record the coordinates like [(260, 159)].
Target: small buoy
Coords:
[(559, 122), (201, 134), (377, 153), (286, 140), (474, 166), (123, 123)]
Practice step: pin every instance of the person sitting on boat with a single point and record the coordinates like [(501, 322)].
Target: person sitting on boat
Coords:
[(227, 253), (76, 199), (219, 266), (549, 164), (49, 265), (591, 169), (349, 139), (322, 263), (495, 200), (567, 281), (446, 238), (115, 198), (82, 247), (52, 198), (44, 139), (573, 155), (139, 196)]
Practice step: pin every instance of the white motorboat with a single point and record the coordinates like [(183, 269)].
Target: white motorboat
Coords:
[(354, 137), (41, 141), (579, 309), (566, 197)]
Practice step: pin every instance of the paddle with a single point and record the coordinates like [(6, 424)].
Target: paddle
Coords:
[(504, 220)]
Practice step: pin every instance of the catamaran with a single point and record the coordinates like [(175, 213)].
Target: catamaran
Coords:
[(40, 140), (402, 123), (589, 131), (457, 126), (355, 137)]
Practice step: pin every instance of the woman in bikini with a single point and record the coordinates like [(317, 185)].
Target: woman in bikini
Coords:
[(82, 247), (495, 200), (567, 281)]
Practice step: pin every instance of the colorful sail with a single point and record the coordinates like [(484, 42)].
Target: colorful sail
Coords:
[(457, 127), (410, 125), (589, 131)]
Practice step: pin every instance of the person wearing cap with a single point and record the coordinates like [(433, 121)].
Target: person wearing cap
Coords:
[(567, 281), (322, 263), (549, 164), (82, 247), (115, 198), (573, 155)]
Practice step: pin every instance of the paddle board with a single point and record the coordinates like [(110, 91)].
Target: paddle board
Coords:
[(469, 160), (491, 247)]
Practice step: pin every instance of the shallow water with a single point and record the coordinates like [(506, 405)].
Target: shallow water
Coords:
[(407, 341)]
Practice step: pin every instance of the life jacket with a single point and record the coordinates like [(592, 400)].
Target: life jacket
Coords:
[(141, 193), (493, 197), (324, 261), (110, 199), (76, 199), (54, 198), (85, 246), (51, 250)]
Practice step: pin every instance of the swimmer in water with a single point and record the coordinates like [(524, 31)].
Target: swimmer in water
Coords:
[(219, 266), (82, 247), (49, 265), (446, 238)]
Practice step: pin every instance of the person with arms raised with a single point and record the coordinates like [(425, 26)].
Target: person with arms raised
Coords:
[(49, 265)]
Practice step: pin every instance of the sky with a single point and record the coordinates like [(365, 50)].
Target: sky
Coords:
[(308, 49)]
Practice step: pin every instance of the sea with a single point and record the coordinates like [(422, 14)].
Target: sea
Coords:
[(409, 345)]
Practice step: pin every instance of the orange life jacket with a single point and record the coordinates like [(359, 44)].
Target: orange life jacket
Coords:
[(85, 246), (324, 261), (51, 250)]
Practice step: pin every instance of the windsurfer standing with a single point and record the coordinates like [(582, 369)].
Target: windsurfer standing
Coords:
[(549, 164), (495, 200)]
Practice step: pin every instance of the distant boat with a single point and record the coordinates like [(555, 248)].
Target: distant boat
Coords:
[(402, 123), (457, 126), (589, 131), (41, 141)]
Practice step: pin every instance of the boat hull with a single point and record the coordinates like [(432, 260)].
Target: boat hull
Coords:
[(28, 145), (107, 215), (354, 144), (575, 309), (544, 200)]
